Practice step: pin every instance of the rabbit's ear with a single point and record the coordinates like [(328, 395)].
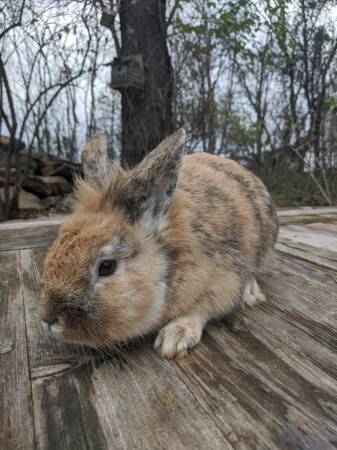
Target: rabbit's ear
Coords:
[(95, 161), (147, 194)]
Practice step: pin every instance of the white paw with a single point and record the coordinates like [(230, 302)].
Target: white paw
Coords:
[(178, 336), (252, 294)]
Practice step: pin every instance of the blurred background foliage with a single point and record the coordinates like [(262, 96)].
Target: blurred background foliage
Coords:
[(250, 80)]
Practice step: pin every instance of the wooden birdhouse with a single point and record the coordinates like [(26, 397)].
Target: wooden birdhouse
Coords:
[(108, 17), (127, 72)]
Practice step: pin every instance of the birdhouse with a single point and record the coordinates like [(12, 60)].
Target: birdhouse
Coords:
[(108, 18), (127, 72)]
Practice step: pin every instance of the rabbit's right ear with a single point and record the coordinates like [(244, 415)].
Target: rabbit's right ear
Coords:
[(95, 161)]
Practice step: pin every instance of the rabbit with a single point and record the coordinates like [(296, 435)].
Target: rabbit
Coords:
[(163, 247)]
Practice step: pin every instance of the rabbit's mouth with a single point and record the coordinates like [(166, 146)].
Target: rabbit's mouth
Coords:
[(57, 328), (64, 332), (59, 331)]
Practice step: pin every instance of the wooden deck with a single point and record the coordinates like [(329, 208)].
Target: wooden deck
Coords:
[(267, 379)]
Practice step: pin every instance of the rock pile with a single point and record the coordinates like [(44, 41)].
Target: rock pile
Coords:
[(49, 179)]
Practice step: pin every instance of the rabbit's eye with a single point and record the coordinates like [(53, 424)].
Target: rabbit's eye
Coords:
[(107, 267)]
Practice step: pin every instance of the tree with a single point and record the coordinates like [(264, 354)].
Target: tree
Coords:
[(147, 112), (37, 64)]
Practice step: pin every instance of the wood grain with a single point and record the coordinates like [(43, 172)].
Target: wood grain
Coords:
[(265, 379), (16, 412), (271, 377), (30, 237), (139, 404), (307, 215)]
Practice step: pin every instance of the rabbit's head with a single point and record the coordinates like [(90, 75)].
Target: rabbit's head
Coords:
[(105, 276)]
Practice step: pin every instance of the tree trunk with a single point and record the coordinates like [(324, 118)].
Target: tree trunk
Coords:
[(146, 114)]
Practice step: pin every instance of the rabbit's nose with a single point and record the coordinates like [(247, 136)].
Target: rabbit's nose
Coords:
[(55, 326), (50, 322)]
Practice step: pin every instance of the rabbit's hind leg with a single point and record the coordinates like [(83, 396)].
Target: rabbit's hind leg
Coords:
[(252, 294)]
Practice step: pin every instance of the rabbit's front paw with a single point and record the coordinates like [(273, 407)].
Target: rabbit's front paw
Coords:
[(178, 336)]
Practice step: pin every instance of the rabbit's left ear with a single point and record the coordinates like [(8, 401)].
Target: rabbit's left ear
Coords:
[(95, 161), (146, 193)]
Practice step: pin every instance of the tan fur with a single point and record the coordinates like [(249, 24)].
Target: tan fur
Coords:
[(115, 318), (221, 224)]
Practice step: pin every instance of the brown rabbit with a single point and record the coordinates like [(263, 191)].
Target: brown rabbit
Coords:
[(166, 246)]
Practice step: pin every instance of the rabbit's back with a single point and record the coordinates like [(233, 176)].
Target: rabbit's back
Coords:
[(231, 212)]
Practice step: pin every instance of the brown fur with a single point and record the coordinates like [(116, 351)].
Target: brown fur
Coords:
[(220, 225)]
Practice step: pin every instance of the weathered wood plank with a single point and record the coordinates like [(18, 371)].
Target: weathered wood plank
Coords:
[(316, 243), (16, 412), (321, 258), (30, 237), (254, 395), (267, 382), (297, 412), (302, 287), (307, 215), (330, 229), (16, 235), (311, 237), (305, 210), (271, 380), (32, 223), (140, 404)]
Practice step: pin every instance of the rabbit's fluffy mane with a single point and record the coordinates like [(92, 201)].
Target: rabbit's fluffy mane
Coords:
[(92, 199)]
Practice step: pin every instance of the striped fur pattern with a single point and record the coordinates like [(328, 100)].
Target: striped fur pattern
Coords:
[(188, 235)]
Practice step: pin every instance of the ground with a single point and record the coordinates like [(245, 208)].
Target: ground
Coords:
[(266, 379)]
